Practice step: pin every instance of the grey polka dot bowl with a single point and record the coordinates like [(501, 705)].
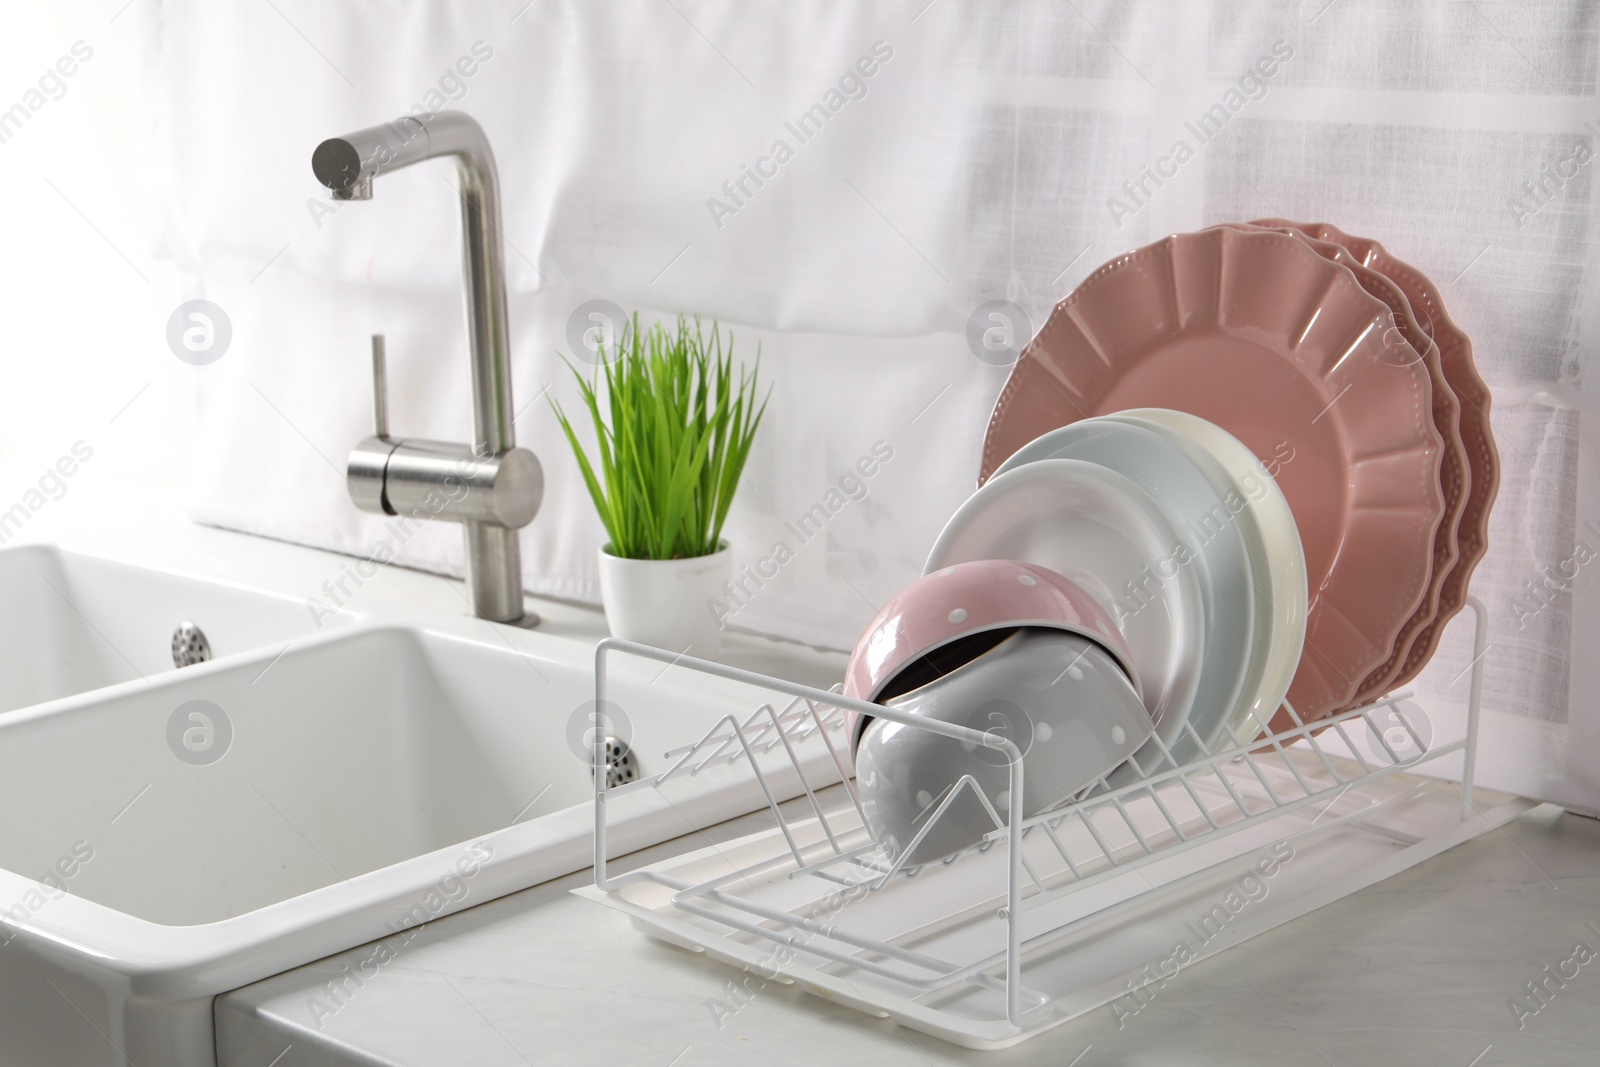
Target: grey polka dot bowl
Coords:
[(1062, 699)]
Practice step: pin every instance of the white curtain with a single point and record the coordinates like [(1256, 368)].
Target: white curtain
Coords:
[(933, 156)]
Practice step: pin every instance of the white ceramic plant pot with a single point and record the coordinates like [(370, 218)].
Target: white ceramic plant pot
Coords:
[(665, 602)]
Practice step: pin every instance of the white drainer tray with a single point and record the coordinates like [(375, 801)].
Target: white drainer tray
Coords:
[(1095, 903)]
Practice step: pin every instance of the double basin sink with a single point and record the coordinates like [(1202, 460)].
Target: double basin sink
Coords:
[(326, 779)]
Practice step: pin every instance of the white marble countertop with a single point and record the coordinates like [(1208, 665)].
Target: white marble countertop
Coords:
[(1419, 969)]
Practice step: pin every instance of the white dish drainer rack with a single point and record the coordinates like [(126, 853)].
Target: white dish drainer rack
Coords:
[(1054, 915)]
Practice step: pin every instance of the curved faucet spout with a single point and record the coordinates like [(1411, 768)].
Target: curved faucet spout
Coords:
[(348, 165)]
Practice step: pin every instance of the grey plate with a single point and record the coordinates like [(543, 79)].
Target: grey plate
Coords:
[(1198, 506), (1101, 530)]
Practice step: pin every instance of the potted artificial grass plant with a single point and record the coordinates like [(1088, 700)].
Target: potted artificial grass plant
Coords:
[(673, 427)]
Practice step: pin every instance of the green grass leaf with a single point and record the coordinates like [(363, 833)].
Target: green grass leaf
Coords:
[(672, 438)]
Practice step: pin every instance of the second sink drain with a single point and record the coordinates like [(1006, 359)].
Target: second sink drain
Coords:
[(189, 645)]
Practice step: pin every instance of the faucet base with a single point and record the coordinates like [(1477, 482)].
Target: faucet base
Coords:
[(494, 571)]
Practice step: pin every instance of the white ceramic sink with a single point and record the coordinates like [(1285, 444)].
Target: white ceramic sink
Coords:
[(172, 836), (75, 623)]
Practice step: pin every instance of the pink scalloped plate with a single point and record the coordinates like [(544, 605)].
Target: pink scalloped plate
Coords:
[(1477, 435), (1257, 333), (1408, 341)]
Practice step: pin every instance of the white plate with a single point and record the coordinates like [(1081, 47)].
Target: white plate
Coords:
[(1200, 499), (1282, 596), (1100, 529)]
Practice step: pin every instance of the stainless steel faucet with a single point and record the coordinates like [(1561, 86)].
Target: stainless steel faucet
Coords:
[(492, 488)]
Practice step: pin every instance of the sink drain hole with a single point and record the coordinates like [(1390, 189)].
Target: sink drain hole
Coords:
[(189, 645), (622, 765)]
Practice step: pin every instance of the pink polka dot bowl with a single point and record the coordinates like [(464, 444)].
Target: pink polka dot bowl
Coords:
[(957, 613)]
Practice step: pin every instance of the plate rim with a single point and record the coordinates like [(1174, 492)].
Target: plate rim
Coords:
[(1461, 371), (1280, 552), (1455, 469)]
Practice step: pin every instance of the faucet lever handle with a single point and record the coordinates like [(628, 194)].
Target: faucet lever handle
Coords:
[(380, 387)]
